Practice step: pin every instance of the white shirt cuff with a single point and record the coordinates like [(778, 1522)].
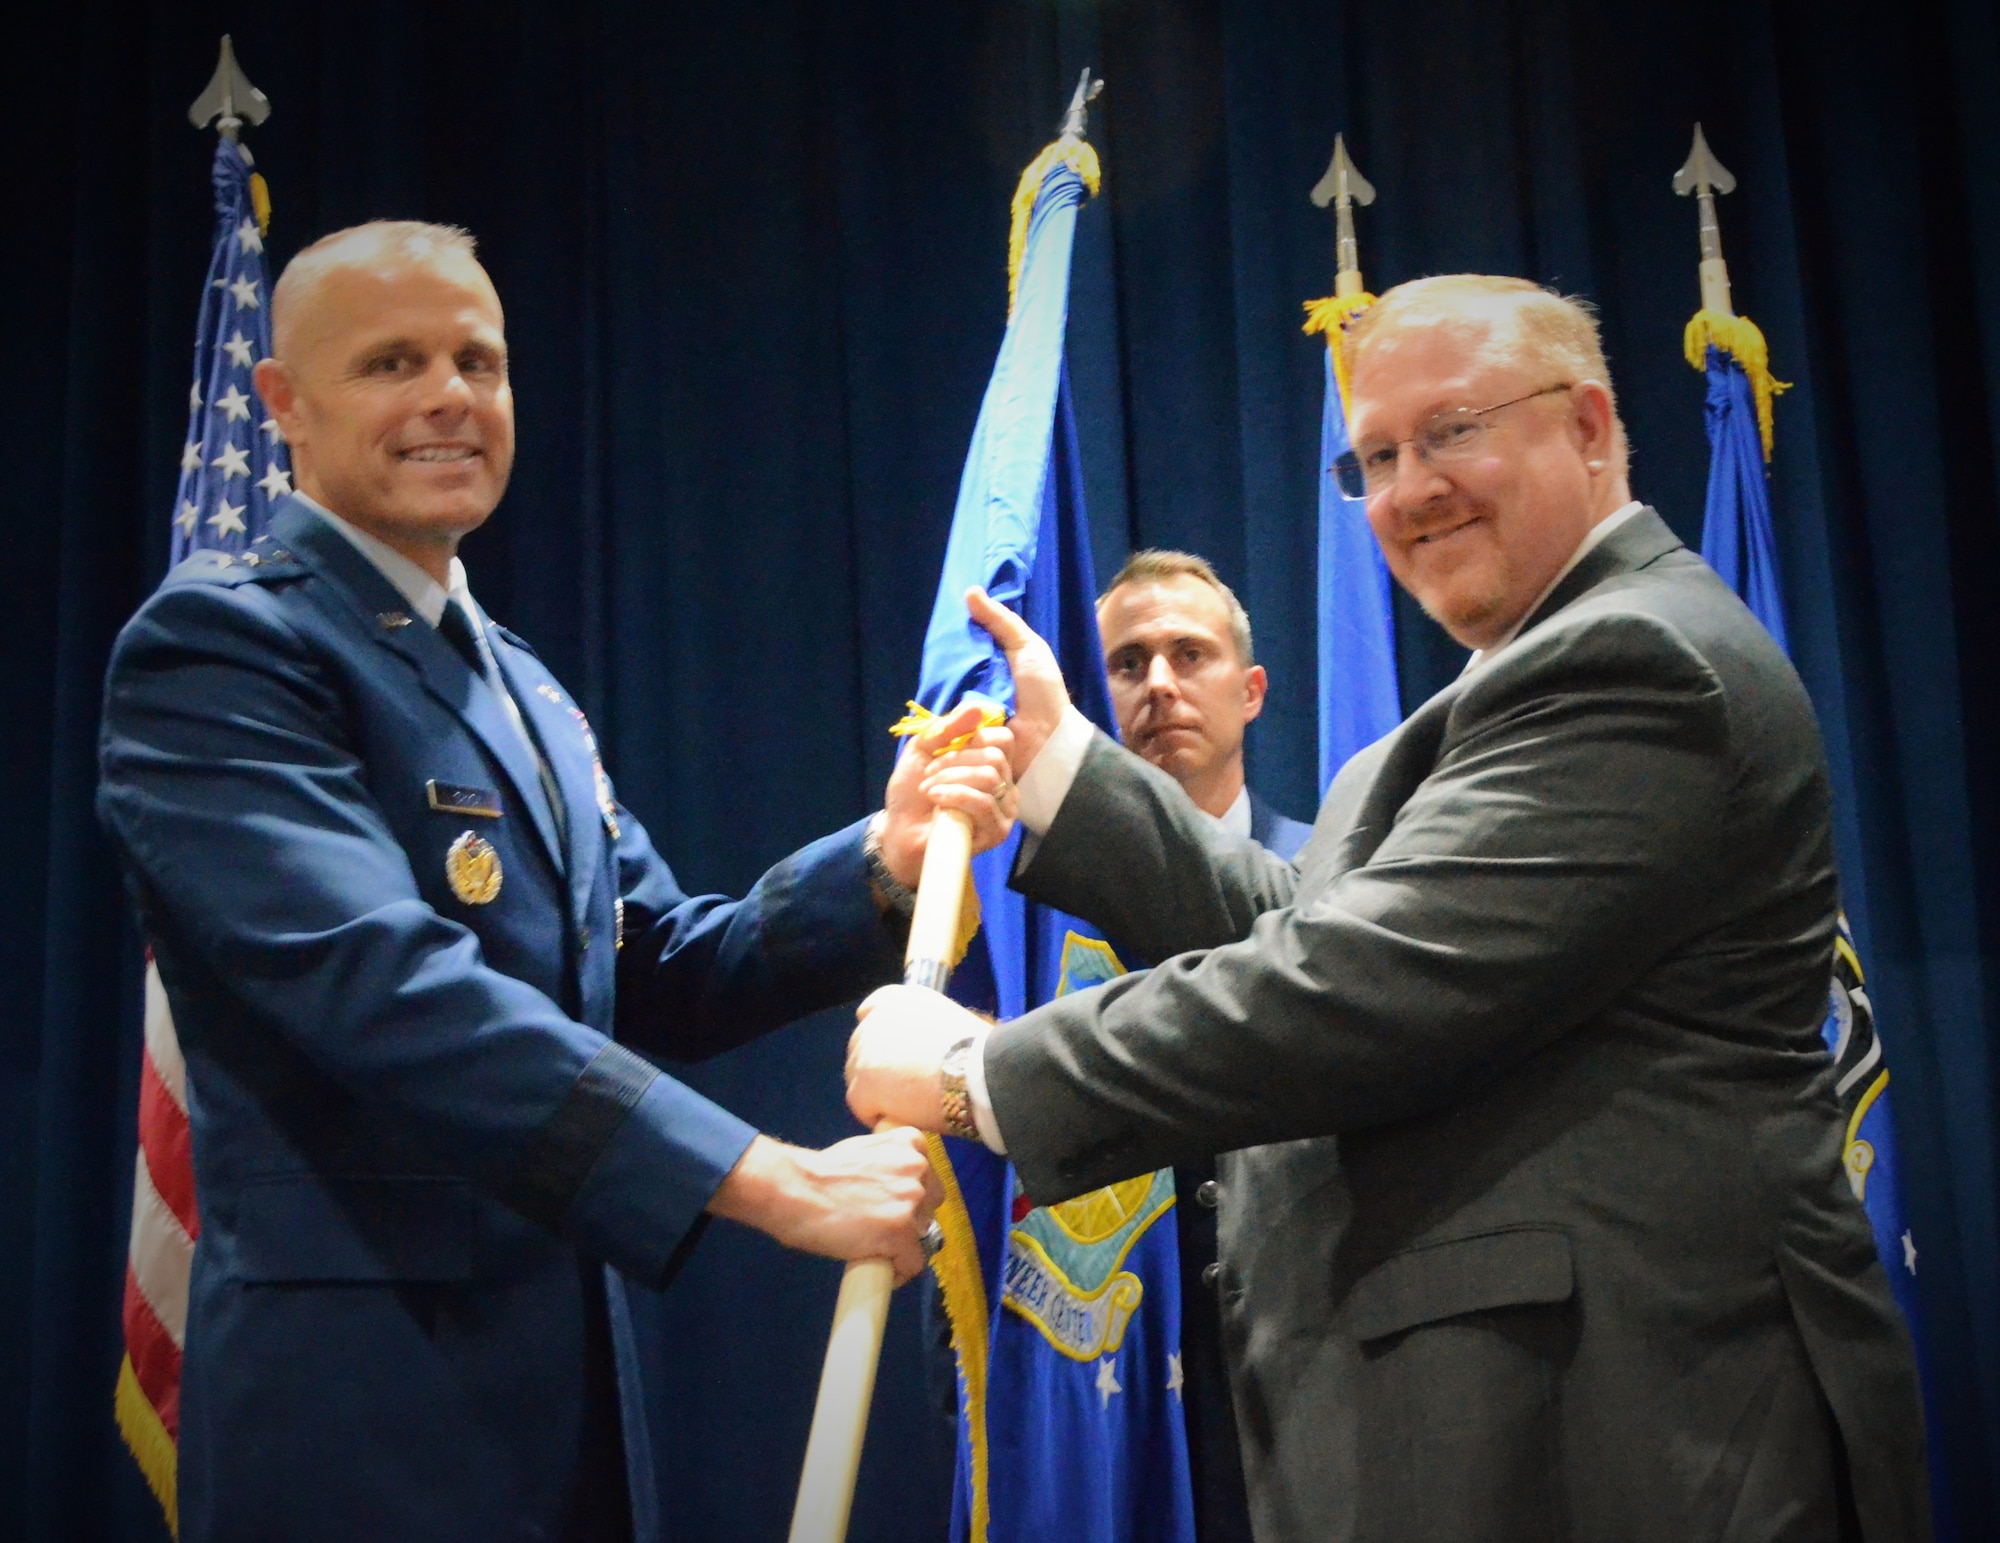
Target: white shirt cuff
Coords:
[(1044, 785), (975, 1091)]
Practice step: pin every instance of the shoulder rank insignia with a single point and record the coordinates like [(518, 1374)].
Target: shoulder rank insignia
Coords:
[(472, 868), (606, 806)]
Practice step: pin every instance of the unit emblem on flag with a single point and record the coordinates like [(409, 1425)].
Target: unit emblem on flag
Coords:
[(1064, 1263), (472, 868), (1065, 1270)]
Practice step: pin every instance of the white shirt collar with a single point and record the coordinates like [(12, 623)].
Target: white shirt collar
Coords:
[(1592, 539), (1236, 818), (427, 597)]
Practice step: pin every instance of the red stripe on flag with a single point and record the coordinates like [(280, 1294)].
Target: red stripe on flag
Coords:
[(156, 1359), (163, 1132)]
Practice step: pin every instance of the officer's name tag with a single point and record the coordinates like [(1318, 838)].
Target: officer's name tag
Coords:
[(453, 799)]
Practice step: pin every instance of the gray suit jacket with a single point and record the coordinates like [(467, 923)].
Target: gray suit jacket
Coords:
[(1584, 1264)]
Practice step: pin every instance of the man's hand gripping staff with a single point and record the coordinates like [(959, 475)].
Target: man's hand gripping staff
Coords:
[(950, 795)]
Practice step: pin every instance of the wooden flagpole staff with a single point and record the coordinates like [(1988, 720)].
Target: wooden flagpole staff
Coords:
[(847, 1379)]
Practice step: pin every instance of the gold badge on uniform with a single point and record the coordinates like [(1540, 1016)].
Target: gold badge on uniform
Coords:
[(472, 868)]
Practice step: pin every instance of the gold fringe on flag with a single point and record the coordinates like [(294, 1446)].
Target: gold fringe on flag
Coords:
[(260, 200), (152, 1448), (1738, 337), (963, 1287), (1332, 316), (1078, 156), (915, 720)]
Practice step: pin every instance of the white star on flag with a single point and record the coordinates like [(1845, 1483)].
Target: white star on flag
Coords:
[(228, 520), (190, 512), (276, 483), (1175, 1380), (1909, 1253), (245, 291), (191, 456), (247, 238), (235, 406), (270, 427), (1107, 1379), (238, 349), (194, 397), (234, 463)]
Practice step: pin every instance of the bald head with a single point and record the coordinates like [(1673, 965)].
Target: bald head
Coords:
[(379, 247), (389, 381)]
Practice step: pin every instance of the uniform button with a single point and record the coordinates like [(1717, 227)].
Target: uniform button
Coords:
[(1207, 1193), (1210, 1274)]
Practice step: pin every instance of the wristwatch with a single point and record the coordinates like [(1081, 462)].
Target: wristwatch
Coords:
[(954, 1098), (901, 900)]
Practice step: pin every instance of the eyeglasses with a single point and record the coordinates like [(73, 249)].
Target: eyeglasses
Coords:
[(1443, 438)]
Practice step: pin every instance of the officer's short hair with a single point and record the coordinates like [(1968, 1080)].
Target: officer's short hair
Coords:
[(414, 239), (1153, 565)]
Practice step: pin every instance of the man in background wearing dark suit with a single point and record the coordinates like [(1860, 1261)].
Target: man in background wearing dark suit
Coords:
[(1186, 686), (1551, 968)]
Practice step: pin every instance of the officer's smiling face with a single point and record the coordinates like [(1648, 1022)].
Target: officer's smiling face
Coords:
[(391, 388)]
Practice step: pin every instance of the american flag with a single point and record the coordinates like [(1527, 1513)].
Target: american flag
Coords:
[(234, 470)]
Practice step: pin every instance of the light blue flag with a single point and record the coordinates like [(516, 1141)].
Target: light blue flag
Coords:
[(1358, 699), (1738, 542), (1070, 1421)]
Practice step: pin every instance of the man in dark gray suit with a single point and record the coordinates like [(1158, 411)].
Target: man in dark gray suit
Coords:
[(1551, 968)]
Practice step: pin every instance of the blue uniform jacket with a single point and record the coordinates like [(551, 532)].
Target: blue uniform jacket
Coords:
[(419, 1132)]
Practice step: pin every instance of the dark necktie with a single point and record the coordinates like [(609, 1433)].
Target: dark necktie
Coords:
[(455, 625)]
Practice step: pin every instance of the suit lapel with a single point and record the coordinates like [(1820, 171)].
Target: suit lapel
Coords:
[(1367, 796), (386, 617), (569, 748), (1642, 539)]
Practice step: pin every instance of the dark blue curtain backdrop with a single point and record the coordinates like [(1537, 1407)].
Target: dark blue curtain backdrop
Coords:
[(752, 257)]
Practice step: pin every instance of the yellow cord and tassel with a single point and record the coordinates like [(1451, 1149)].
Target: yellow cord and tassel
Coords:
[(260, 200), (963, 1286), (960, 1280), (916, 721), (152, 1448), (1738, 337), (1332, 316), (1078, 156)]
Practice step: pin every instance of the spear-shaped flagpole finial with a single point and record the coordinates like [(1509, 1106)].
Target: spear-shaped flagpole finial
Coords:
[(229, 100), (1704, 176), (1077, 118), (1343, 186)]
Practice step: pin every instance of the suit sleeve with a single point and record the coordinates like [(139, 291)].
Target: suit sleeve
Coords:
[(1130, 853), (1530, 878), (271, 879)]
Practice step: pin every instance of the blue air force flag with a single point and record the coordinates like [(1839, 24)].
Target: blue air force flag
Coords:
[(1358, 697), (1067, 1323), (1737, 540), (234, 467)]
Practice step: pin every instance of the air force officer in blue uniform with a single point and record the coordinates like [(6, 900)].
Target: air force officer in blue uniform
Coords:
[(418, 954)]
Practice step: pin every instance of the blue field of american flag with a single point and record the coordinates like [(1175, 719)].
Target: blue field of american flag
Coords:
[(234, 466)]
